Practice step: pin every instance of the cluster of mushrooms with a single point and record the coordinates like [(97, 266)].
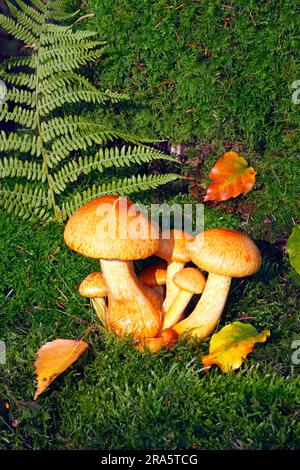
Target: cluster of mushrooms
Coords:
[(151, 306)]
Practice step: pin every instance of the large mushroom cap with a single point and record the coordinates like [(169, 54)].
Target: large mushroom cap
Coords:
[(172, 246), (93, 286), (111, 227), (190, 280), (225, 252)]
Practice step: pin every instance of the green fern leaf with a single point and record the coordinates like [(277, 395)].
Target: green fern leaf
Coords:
[(122, 187), (17, 30), (23, 19), (33, 13), (23, 116), (47, 148), (56, 100), (13, 167), (20, 97), (19, 79), (19, 142), (25, 202)]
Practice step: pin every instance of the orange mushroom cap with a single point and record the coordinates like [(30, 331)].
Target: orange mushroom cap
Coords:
[(93, 286), (190, 280), (225, 252), (172, 246), (153, 275), (111, 227)]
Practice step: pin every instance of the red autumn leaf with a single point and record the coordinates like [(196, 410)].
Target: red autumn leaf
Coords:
[(230, 177), (54, 358)]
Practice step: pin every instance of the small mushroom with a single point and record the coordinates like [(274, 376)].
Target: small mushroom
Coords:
[(94, 288), (224, 254), (154, 275), (172, 248), (113, 230), (190, 281)]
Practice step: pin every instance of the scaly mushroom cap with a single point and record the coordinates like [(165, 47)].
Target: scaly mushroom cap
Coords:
[(93, 286), (172, 246), (153, 275), (111, 227), (225, 252), (190, 280)]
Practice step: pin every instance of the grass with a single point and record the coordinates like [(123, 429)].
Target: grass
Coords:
[(233, 66)]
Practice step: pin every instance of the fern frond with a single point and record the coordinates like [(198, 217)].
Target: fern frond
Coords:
[(60, 16), (13, 62), (105, 158), (19, 142), (75, 38), (44, 81), (60, 81), (73, 50), (25, 117), (40, 5), (19, 79), (123, 187), (20, 97), (66, 144), (74, 125), (37, 16), (26, 202), (67, 63), (13, 167), (17, 30), (73, 95), (23, 19)]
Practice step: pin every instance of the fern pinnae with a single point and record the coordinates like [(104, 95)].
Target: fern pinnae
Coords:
[(23, 19), (13, 167), (33, 13), (43, 152), (123, 187), (19, 115), (17, 30)]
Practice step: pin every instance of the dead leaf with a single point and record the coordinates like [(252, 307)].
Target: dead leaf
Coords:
[(54, 358), (231, 345), (230, 177)]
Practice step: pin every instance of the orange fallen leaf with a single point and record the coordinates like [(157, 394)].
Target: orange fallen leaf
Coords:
[(231, 345), (230, 177), (54, 358)]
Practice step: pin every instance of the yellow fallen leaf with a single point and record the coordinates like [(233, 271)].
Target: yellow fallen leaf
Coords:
[(54, 358), (229, 347)]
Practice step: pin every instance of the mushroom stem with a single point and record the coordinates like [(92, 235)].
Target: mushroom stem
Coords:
[(175, 312), (155, 297), (100, 308), (167, 339), (172, 290), (129, 309), (203, 320)]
